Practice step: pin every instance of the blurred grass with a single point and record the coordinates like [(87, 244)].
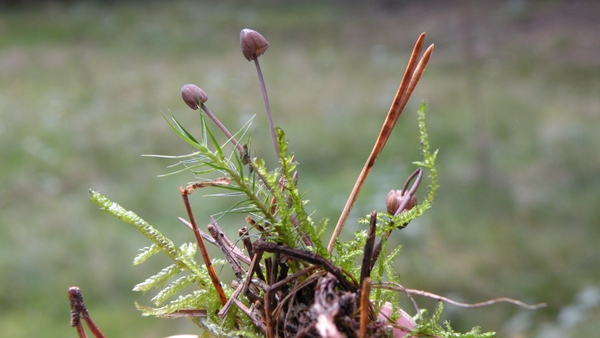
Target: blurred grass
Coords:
[(515, 113)]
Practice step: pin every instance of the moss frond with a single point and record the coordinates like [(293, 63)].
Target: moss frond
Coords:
[(430, 327), (129, 217), (146, 253), (173, 288), (349, 253), (159, 279), (428, 159)]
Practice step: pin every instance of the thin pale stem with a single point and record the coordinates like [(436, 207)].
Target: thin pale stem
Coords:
[(187, 313), (243, 151), (223, 129), (413, 73), (398, 287), (263, 89)]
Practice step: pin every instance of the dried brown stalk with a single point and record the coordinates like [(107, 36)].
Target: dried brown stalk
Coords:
[(234, 250), (411, 77), (223, 312), (186, 313), (257, 321), (226, 247), (365, 271), (364, 306)]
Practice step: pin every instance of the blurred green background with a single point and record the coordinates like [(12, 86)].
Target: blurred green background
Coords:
[(513, 93)]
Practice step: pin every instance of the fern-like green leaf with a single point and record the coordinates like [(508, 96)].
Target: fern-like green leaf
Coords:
[(165, 244), (431, 327), (428, 158), (200, 299), (146, 253), (130, 217), (173, 288), (191, 301), (159, 279)]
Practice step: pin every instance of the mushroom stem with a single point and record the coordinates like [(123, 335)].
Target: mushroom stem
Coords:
[(263, 89), (223, 129)]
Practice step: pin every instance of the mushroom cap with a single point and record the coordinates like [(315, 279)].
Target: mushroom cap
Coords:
[(193, 96), (253, 44)]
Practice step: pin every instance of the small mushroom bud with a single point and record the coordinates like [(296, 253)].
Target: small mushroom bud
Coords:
[(394, 201), (253, 44), (192, 95)]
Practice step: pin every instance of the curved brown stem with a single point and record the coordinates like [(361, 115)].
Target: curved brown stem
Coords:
[(205, 257)]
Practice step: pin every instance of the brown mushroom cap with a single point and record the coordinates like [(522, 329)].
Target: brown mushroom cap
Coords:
[(192, 95), (253, 44)]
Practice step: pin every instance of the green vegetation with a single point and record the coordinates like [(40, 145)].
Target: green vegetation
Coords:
[(84, 88), (273, 199)]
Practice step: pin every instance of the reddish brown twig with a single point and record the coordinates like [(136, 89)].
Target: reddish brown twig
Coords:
[(243, 232), (254, 266), (413, 73), (364, 306), (79, 310), (205, 257)]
